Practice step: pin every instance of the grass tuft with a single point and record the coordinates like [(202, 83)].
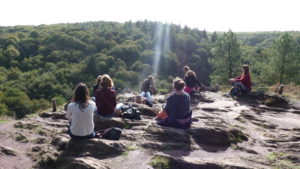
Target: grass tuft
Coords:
[(160, 162)]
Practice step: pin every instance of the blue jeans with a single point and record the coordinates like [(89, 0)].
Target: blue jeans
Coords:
[(239, 89), (147, 95), (109, 116)]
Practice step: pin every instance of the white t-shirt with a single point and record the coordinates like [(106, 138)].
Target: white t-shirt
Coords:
[(82, 121)]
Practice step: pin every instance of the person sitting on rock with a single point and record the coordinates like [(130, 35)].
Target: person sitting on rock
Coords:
[(148, 88), (186, 69), (81, 113), (191, 82), (242, 84), (97, 85), (106, 100), (177, 112), (142, 100)]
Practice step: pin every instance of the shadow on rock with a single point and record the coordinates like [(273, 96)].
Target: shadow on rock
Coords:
[(104, 123), (83, 163), (196, 98), (159, 161), (83, 153), (259, 97), (166, 138), (216, 139)]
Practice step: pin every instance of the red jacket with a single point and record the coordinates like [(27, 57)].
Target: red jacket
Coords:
[(245, 79), (106, 101)]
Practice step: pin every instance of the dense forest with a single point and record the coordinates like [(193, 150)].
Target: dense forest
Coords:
[(39, 63)]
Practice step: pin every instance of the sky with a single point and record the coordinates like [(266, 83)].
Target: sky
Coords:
[(211, 15)]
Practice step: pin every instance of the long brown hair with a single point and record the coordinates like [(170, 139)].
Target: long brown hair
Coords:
[(81, 95), (190, 73)]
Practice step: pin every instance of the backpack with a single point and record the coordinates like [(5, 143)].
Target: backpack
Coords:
[(130, 112), (113, 133)]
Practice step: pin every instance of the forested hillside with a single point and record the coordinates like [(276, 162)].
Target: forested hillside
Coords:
[(39, 63)]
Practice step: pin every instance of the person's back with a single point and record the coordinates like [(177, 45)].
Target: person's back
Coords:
[(106, 101), (176, 113), (190, 79), (81, 113), (82, 122), (178, 106)]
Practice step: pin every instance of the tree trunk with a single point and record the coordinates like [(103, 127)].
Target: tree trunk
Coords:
[(53, 101), (282, 70), (281, 87)]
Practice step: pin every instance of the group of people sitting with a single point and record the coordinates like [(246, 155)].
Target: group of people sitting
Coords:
[(175, 113), (82, 107)]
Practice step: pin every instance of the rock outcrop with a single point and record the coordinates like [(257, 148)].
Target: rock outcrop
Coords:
[(226, 133)]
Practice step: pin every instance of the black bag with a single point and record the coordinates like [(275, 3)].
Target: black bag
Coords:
[(130, 112), (113, 133)]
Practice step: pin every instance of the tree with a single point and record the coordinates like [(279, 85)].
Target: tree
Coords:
[(3, 59), (91, 67), (285, 61), (127, 52), (34, 34), (15, 102), (214, 37), (49, 60), (204, 34), (226, 60), (12, 52)]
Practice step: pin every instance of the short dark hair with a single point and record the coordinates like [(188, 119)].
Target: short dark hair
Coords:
[(178, 84)]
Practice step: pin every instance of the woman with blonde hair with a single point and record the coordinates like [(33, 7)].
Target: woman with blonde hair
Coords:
[(81, 113), (106, 100)]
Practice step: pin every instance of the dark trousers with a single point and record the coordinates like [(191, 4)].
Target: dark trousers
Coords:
[(90, 136), (239, 89)]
